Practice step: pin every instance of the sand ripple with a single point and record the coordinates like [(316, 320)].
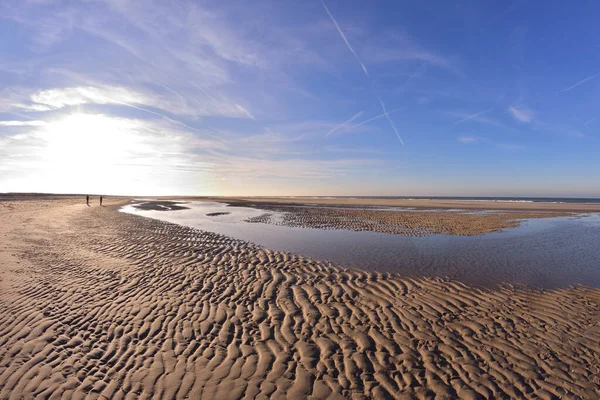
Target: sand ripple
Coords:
[(407, 223), (101, 304)]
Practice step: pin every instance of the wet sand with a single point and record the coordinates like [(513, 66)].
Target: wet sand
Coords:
[(407, 223), (103, 304)]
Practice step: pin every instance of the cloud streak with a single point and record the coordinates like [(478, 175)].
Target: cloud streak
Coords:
[(521, 114), (484, 140), (56, 98), (22, 123), (53, 99)]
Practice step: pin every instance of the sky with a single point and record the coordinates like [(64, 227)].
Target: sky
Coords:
[(334, 97)]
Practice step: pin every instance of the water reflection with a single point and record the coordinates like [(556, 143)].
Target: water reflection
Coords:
[(550, 252)]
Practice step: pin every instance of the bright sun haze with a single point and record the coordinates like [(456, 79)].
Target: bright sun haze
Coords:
[(300, 98)]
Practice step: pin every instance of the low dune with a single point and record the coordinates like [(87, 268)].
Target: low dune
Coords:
[(100, 304)]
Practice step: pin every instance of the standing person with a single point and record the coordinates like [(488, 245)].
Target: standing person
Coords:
[(100, 200), (87, 200)]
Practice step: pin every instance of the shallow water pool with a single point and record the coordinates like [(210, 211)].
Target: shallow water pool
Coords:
[(550, 252)]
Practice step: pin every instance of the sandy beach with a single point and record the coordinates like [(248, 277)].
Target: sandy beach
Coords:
[(95, 303)]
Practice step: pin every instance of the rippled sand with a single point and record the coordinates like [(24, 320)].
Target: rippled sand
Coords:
[(108, 305), (407, 223)]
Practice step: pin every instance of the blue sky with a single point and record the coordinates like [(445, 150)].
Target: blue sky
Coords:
[(300, 97)]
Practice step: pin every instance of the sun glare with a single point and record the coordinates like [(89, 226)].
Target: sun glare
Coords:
[(98, 153), (84, 139), (91, 152)]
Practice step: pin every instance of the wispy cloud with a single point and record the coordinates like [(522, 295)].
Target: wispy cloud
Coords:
[(344, 124), (484, 140), (193, 60), (525, 115), (521, 114), (195, 93), (110, 147), (245, 112), (51, 99), (469, 139), (399, 47), (23, 123), (557, 128), (74, 96), (136, 148), (581, 82)]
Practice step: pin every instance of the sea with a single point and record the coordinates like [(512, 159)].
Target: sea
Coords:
[(557, 200)]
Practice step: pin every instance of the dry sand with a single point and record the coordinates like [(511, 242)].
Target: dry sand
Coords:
[(100, 304)]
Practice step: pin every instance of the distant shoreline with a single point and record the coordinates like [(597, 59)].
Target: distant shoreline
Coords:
[(473, 204), (508, 199), (430, 202)]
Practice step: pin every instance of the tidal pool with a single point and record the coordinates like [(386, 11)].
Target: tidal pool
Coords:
[(549, 252)]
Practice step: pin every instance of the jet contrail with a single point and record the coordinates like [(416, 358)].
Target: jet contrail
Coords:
[(344, 37), (377, 117), (389, 119), (473, 116), (343, 124), (581, 82), (385, 113)]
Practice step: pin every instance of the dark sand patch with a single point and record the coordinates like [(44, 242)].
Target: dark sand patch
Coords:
[(160, 205)]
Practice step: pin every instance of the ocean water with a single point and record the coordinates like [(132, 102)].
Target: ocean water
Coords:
[(492, 199), (549, 253)]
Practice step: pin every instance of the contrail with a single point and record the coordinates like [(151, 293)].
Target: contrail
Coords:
[(473, 116), (385, 113), (377, 117), (581, 82), (389, 119), (343, 124), (344, 37)]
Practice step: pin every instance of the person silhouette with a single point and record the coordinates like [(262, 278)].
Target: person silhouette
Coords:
[(87, 200), (100, 200)]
